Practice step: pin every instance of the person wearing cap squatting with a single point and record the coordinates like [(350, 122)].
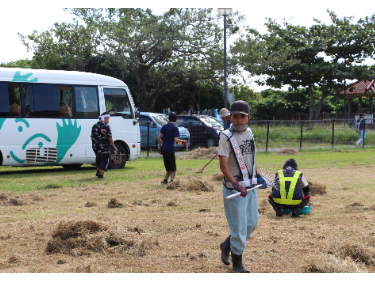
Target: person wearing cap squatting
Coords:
[(101, 138), (224, 115), (170, 135), (237, 163)]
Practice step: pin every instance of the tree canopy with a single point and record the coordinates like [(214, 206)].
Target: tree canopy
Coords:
[(164, 52), (318, 57)]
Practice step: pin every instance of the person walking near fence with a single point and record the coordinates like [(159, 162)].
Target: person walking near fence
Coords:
[(170, 135), (361, 129), (291, 190), (237, 163), (101, 138), (225, 116)]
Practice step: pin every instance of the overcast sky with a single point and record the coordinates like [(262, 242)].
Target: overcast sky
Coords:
[(26, 16)]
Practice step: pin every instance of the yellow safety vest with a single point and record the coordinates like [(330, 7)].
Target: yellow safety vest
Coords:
[(284, 199)]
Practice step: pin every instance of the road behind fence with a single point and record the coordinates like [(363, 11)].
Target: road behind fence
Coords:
[(273, 135)]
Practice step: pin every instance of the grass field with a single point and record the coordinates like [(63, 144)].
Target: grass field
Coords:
[(138, 225)]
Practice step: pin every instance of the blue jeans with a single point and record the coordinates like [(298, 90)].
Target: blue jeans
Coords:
[(361, 136), (242, 216)]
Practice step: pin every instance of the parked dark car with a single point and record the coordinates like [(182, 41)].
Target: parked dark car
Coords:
[(204, 130)]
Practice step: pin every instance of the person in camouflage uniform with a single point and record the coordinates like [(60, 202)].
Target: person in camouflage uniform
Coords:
[(101, 138)]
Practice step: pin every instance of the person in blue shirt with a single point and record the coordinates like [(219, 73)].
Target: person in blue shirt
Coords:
[(361, 129), (170, 135)]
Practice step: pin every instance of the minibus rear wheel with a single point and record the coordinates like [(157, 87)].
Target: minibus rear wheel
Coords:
[(118, 157)]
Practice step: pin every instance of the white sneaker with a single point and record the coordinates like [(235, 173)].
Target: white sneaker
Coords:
[(357, 143)]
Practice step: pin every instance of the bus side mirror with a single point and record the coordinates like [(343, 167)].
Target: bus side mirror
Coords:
[(137, 113)]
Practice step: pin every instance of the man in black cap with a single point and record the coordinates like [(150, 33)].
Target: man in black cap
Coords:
[(170, 135), (292, 190), (237, 163)]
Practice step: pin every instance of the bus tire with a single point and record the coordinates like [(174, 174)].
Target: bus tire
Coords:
[(117, 161)]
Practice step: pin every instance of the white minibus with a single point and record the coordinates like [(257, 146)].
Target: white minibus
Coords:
[(46, 117)]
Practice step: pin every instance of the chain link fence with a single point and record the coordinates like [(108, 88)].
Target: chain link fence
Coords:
[(274, 135), (326, 133)]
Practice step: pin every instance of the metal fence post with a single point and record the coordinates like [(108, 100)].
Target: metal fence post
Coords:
[(190, 135), (268, 130), (333, 132), (148, 139), (300, 140)]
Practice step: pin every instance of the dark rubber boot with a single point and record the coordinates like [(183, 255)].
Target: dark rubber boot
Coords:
[(225, 250), (279, 212), (237, 264), (97, 173), (295, 212)]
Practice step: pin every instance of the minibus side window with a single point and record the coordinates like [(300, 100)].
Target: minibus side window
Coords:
[(117, 103), (66, 101), (86, 98), (46, 101), (4, 100)]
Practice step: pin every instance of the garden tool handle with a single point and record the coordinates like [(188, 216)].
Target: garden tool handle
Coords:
[(238, 193)]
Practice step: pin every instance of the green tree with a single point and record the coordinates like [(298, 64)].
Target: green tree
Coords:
[(297, 56), (163, 53), (166, 51), (243, 92)]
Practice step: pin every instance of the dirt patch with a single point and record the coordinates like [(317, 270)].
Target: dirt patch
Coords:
[(317, 188), (287, 151), (200, 153), (83, 237), (190, 185), (8, 198)]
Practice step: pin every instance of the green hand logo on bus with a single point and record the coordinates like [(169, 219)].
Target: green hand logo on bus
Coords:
[(23, 78), (67, 134), (2, 122)]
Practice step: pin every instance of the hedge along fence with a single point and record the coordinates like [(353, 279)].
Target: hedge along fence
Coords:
[(308, 134)]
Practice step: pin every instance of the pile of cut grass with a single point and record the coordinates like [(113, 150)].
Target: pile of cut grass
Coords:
[(79, 238), (190, 185)]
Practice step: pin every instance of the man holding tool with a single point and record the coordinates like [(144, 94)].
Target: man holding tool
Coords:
[(237, 163), (170, 135), (101, 137)]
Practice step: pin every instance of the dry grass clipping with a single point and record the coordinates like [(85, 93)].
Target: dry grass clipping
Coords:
[(8, 198), (114, 203), (332, 264), (82, 237), (358, 252), (200, 153), (287, 151), (218, 176), (317, 188), (190, 185)]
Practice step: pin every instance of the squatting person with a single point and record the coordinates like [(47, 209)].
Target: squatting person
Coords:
[(101, 138), (292, 190), (237, 163), (170, 135)]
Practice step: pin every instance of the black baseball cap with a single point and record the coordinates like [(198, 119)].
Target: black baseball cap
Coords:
[(241, 107)]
